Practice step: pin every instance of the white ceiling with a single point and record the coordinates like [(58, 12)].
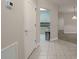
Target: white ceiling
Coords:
[(64, 2), (65, 5)]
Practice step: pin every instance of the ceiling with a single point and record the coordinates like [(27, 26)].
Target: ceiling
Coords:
[(65, 5)]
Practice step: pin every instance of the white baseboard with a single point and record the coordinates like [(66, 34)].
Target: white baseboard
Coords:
[(38, 44), (70, 32), (53, 39), (31, 53)]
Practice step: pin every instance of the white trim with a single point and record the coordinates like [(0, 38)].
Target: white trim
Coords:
[(11, 45), (31, 53), (38, 44), (15, 44), (53, 39), (70, 32)]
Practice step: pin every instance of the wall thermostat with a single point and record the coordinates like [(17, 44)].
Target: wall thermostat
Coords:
[(9, 4)]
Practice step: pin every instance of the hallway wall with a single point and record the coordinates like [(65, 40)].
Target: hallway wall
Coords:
[(60, 21), (70, 25), (54, 16), (66, 23), (67, 28), (12, 27)]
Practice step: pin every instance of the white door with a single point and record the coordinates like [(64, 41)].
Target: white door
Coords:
[(29, 26)]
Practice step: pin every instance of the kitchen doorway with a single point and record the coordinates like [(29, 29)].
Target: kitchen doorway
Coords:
[(44, 25)]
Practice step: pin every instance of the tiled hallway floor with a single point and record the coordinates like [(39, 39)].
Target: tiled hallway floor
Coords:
[(55, 50), (42, 38)]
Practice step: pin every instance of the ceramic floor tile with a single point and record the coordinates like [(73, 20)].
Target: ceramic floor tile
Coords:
[(43, 53), (61, 57), (34, 57), (71, 57), (52, 57), (55, 50), (51, 53), (42, 57)]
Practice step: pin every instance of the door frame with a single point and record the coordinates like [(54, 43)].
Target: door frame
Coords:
[(49, 19), (38, 24)]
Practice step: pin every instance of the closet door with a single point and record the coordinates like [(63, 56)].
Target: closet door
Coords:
[(29, 26)]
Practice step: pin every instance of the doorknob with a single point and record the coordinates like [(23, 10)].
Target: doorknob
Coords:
[(26, 31), (35, 25)]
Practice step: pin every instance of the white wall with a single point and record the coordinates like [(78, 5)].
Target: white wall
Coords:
[(12, 26), (60, 21), (70, 25), (66, 23), (54, 17)]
